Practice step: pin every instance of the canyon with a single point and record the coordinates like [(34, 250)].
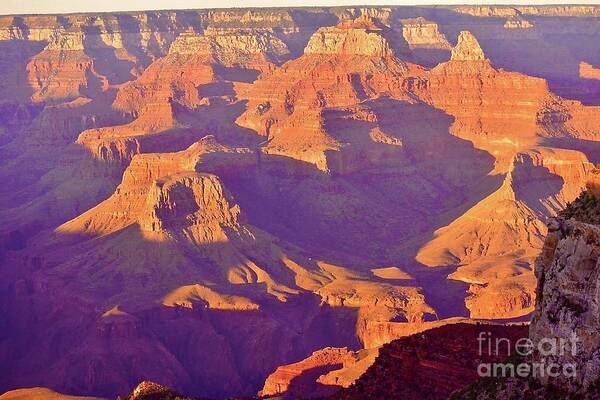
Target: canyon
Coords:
[(229, 202)]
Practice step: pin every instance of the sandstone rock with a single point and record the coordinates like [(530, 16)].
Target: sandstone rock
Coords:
[(148, 390), (298, 379), (63, 71), (187, 296), (593, 182), (356, 37), (567, 279), (213, 259), (142, 188), (431, 364), (242, 48), (467, 48), (588, 71), (488, 11), (564, 326), (513, 220), (342, 66), (422, 33)]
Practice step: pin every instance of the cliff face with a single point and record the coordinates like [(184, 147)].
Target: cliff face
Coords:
[(349, 38), (422, 33), (563, 358), (467, 48), (567, 273), (490, 239), (429, 365), (341, 66)]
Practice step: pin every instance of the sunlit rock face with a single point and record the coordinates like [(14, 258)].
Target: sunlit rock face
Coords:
[(230, 201), (563, 331), (467, 48), (567, 291), (422, 33)]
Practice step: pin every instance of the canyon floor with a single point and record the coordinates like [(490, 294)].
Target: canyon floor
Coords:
[(230, 202)]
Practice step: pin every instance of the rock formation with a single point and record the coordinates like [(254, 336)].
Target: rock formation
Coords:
[(517, 23), (491, 237), (588, 71), (153, 391), (567, 274), (467, 48), (314, 374), (432, 364), (563, 357), (422, 33), (349, 38), (341, 66), (200, 197)]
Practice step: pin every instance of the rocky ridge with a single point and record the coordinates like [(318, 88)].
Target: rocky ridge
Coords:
[(432, 364)]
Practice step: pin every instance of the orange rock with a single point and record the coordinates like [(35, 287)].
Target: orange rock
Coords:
[(298, 379)]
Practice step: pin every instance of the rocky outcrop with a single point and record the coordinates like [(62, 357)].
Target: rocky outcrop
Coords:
[(467, 48), (341, 66), (429, 365), (517, 22), (355, 37), (422, 33), (63, 71), (196, 74), (251, 48), (518, 226), (593, 183), (489, 104), (567, 273), (148, 390), (309, 375), (144, 194), (563, 356), (588, 71)]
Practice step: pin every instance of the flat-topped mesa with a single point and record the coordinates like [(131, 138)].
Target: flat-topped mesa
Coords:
[(422, 33), (361, 36), (467, 48), (236, 47)]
